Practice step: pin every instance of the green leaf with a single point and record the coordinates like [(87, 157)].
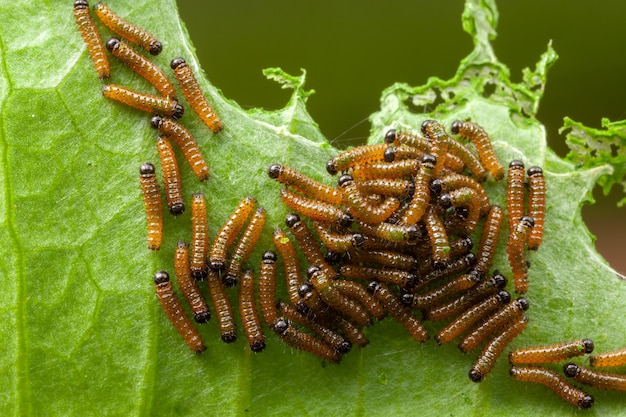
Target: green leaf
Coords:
[(82, 332), (596, 147)]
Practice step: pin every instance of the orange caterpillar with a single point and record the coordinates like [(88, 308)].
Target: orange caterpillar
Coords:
[(439, 142), (244, 247), (127, 30), (333, 339), (145, 102), (451, 182), (92, 38), (227, 234), (303, 341), (185, 141), (331, 296), (223, 309), (386, 187), (171, 177), (483, 144), (441, 293), (176, 314), (188, 286), (308, 244), (494, 348), (142, 67), (316, 210), (361, 208), (389, 170), (438, 236), (390, 232), (471, 316), (496, 321), (385, 258), (421, 195), (394, 307), (199, 237), (249, 314), (517, 256), (515, 193), (291, 263), (536, 205), (194, 95), (489, 241), (460, 265), (596, 379), (358, 155), (469, 160), (609, 359), (152, 201), (337, 242), (267, 288), (478, 292), (307, 186), (398, 277), (551, 353), (356, 292), (555, 382)]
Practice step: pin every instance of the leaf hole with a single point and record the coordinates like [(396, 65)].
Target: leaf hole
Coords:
[(427, 101), (415, 108), (489, 88)]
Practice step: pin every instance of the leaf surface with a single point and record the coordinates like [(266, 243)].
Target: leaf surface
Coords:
[(82, 331)]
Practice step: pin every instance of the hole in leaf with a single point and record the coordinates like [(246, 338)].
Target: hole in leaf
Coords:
[(488, 89)]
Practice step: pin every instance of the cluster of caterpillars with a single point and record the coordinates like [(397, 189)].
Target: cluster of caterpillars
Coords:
[(394, 237), (401, 220), (399, 225), (560, 352), (165, 110), (163, 106)]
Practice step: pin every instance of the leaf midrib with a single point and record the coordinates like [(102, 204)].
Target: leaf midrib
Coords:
[(22, 383)]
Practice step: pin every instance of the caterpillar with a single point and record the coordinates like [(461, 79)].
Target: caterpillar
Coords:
[(223, 309), (145, 102), (307, 186), (505, 315), (196, 99), (92, 38), (536, 205), (127, 30), (249, 315), (469, 317), (596, 379), (228, 232), (555, 382), (199, 237), (267, 288), (244, 247), (142, 67), (483, 144), (188, 286), (303, 341), (494, 348), (171, 177), (551, 353), (515, 251), (609, 359), (172, 307), (185, 141), (152, 201)]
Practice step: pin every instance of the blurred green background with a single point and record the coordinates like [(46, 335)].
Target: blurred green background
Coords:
[(352, 50)]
